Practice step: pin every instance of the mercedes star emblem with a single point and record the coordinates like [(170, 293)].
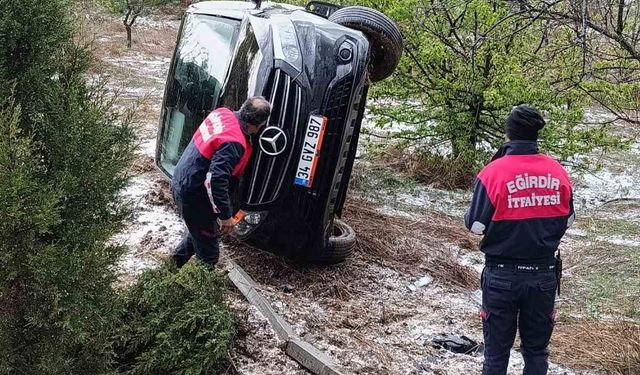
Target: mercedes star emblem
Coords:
[(273, 141)]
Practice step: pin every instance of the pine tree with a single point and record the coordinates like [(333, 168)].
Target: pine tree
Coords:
[(63, 156)]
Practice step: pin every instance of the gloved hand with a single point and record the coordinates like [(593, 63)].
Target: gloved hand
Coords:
[(226, 226)]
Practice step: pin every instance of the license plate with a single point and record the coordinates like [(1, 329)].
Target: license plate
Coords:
[(310, 150)]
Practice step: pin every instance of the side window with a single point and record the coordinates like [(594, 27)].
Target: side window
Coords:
[(244, 70), (197, 74)]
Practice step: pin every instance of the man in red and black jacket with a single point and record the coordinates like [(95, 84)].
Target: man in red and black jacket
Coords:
[(218, 152), (522, 204)]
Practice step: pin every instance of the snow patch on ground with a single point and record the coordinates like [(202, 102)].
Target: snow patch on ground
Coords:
[(148, 147), (448, 202), (157, 24), (573, 231), (154, 68), (618, 179), (133, 265), (620, 240), (155, 229), (594, 189), (473, 259)]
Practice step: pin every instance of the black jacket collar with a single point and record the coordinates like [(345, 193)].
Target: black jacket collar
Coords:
[(243, 125), (517, 148)]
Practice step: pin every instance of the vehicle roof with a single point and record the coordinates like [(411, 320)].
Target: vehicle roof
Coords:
[(234, 9)]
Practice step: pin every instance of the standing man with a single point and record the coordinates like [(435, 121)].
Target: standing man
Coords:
[(522, 204), (218, 152)]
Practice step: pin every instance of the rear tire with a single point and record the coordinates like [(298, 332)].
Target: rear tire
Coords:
[(339, 246), (384, 38)]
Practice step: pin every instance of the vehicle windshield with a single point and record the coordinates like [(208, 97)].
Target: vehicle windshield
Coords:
[(197, 75)]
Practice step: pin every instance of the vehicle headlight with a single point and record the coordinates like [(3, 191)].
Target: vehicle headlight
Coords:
[(285, 42), (249, 222)]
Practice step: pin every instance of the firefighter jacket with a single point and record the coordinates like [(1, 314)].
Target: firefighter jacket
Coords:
[(217, 154), (522, 203)]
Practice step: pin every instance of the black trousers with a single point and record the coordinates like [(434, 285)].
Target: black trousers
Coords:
[(515, 298), (203, 234)]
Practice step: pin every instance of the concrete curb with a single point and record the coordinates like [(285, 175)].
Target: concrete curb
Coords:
[(301, 351)]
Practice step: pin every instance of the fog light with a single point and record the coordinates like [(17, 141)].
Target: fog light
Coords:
[(345, 55), (242, 228), (248, 221), (253, 218)]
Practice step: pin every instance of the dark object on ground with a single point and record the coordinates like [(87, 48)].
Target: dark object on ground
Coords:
[(458, 344), (287, 288), (316, 73)]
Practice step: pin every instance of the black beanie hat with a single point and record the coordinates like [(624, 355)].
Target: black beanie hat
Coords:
[(523, 123)]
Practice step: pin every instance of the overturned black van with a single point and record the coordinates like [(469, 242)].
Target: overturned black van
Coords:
[(314, 65)]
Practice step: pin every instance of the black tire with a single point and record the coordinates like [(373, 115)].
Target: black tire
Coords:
[(340, 245), (384, 38)]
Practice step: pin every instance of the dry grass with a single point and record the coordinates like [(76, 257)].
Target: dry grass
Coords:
[(429, 168), (403, 244), (109, 36), (613, 346), (334, 282)]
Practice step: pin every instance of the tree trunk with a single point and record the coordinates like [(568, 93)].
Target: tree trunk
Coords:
[(128, 28), (127, 25)]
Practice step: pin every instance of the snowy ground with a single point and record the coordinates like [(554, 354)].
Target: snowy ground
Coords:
[(374, 317)]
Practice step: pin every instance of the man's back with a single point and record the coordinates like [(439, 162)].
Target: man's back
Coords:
[(219, 132), (531, 199)]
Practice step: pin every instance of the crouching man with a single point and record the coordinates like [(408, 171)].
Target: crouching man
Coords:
[(218, 152), (522, 204)]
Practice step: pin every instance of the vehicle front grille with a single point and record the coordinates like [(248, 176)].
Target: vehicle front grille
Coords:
[(265, 174)]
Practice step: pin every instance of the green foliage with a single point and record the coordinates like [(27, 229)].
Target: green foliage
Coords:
[(27, 209), (467, 63), (607, 34), (63, 157), (175, 322), (64, 153)]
